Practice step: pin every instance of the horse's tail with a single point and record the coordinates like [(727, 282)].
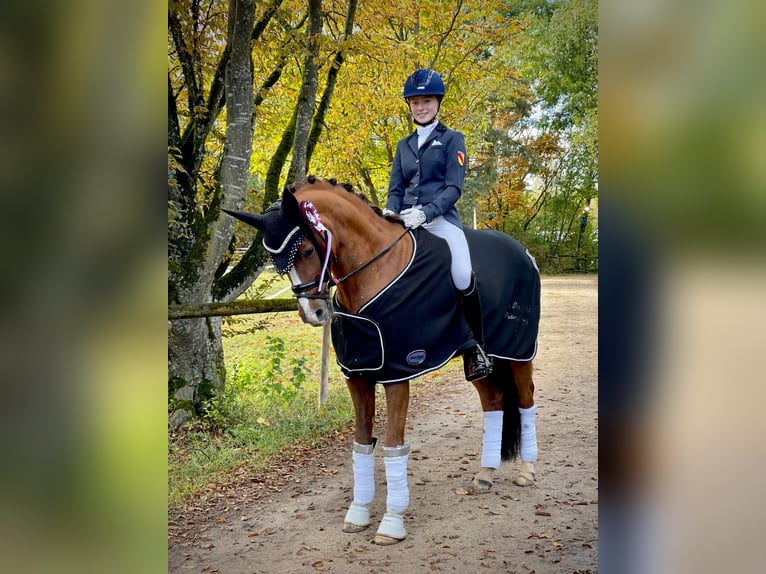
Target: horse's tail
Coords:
[(509, 447)]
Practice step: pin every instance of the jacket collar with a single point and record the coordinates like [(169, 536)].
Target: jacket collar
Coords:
[(413, 139)]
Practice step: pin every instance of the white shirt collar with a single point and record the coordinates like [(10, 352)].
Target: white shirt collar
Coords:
[(425, 131)]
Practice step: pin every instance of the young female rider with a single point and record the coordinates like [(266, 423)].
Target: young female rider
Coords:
[(426, 181)]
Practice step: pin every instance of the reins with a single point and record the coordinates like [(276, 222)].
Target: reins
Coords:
[(371, 261)]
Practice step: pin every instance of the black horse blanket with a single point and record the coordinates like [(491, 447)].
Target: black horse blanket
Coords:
[(415, 324)]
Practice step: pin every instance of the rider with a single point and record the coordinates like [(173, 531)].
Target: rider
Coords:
[(426, 181)]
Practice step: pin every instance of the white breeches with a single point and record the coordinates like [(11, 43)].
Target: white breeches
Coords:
[(461, 258)]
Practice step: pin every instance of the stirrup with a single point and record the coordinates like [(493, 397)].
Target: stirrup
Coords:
[(476, 364)]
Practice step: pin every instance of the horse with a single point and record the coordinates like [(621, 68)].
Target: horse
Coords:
[(387, 278)]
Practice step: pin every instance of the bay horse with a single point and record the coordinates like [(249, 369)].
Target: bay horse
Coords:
[(395, 316)]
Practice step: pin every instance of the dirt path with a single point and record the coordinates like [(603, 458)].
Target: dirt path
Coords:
[(293, 523)]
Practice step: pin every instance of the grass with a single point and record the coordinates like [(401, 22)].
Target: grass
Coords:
[(201, 457), (270, 403)]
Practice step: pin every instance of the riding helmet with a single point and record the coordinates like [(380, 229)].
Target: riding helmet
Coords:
[(424, 82)]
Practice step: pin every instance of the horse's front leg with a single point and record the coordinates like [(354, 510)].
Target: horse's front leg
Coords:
[(395, 456), (363, 397), (492, 406), (522, 375)]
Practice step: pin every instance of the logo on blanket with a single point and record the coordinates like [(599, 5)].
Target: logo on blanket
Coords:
[(416, 357)]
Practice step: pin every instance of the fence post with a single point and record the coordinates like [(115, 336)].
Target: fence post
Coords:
[(325, 369)]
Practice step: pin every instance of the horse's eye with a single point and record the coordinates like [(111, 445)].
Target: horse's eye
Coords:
[(306, 253)]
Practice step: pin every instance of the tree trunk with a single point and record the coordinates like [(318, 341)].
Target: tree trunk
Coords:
[(307, 97), (332, 80), (195, 350), (195, 365)]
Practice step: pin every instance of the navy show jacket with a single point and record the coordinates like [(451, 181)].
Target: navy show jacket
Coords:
[(431, 176)]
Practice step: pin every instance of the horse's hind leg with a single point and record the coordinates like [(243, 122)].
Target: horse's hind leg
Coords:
[(522, 375), (395, 457), (491, 398), (363, 398)]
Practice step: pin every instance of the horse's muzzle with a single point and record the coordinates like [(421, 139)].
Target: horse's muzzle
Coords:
[(314, 311)]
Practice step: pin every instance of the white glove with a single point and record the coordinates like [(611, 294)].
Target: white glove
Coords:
[(413, 217), (388, 213)]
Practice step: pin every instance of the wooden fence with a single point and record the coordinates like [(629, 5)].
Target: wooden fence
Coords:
[(251, 307), (244, 307)]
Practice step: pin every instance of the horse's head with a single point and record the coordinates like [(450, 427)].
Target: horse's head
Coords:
[(296, 241), (349, 238)]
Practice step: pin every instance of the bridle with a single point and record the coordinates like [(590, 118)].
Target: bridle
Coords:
[(321, 285)]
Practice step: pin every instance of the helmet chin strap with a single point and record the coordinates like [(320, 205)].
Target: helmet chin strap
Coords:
[(434, 119)]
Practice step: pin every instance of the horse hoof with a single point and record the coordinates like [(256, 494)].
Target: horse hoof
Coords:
[(391, 530), (381, 540), (526, 476), (357, 518), (351, 528), (481, 486)]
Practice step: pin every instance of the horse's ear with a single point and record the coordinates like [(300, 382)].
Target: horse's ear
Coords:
[(290, 208), (249, 218)]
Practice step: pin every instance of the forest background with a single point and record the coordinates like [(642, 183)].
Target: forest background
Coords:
[(681, 136), (262, 93)]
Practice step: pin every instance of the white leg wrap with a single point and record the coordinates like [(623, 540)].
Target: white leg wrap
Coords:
[(398, 496), (493, 436), (528, 434), (364, 476)]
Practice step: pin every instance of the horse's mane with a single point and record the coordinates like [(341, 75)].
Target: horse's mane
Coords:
[(330, 184)]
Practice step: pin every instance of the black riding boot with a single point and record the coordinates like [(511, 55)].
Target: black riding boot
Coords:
[(475, 362)]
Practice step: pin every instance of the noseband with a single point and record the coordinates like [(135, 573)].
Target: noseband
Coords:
[(302, 290)]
